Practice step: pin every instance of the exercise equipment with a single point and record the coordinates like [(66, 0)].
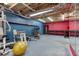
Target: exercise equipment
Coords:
[(19, 48), (22, 35), (3, 24), (36, 33), (28, 38)]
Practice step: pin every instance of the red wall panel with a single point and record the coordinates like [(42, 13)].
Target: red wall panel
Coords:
[(70, 25), (74, 25), (58, 26)]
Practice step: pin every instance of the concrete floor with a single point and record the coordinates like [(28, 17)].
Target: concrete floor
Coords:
[(48, 45)]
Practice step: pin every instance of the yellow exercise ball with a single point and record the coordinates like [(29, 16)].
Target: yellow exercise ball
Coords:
[(19, 48)]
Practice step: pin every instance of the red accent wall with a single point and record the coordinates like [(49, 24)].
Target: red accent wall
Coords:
[(58, 26), (74, 25), (61, 26)]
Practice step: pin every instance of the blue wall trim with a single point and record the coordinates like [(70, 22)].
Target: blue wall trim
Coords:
[(22, 24)]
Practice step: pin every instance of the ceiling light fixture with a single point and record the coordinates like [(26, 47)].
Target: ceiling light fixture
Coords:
[(50, 18), (41, 20), (40, 13)]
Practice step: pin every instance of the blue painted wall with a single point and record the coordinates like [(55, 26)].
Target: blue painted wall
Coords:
[(18, 19)]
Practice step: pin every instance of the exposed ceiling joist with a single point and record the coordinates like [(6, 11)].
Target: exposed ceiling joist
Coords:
[(13, 5), (49, 10), (28, 7), (42, 10)]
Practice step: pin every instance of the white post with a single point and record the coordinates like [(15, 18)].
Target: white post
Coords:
[(23, 37)]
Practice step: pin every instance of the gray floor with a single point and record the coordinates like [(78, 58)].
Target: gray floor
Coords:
[(49, 45)]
